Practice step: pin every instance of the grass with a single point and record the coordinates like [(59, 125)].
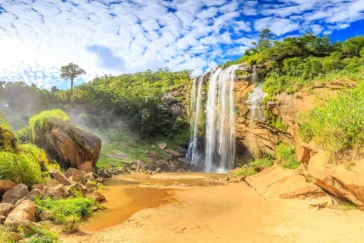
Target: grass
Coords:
[(41, 235), (67, 212), (5, 236), (337, 123), (286, 156), (349, 206), (252, 167)]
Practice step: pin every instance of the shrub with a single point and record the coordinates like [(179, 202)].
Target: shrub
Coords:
[(67, 212), (286, 156), (337, 124), (7, 138), (41, 235), (24, 135)]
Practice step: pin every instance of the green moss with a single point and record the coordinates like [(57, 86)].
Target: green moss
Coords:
[(44, 121)]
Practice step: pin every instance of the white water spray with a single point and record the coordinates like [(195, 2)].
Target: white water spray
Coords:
[(255, 101)]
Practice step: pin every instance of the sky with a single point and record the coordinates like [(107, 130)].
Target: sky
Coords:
[(37, 37)]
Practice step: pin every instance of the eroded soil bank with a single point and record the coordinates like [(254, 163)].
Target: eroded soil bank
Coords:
[(222, 213)]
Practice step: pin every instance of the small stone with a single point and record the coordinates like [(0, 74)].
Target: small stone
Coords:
[(54, 190), (34, 194), (6, 185), (56, 174), (6, 208), (15, 193), (163, 146), (24, 211)]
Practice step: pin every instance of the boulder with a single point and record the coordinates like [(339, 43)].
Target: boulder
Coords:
[(277, 182), (73, 146), (60, 177), (181, 150), (38, 186), (183, 160), (24, 211), (162, 146), (35, 193), (5, 185), (173, 153), (6, 208), (153, 155), (98, 197), (45, 215), (140, 165), (91, 186), (54, 190), (77, 189), (15, 193), (77, 175), (2, 219), (343, 181)]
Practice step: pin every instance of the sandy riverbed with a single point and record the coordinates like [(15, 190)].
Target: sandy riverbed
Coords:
[(230, 213)]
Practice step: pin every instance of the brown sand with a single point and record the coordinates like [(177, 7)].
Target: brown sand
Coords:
[(232, 213)]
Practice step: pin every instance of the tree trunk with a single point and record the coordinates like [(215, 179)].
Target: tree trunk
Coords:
[(71, 86)]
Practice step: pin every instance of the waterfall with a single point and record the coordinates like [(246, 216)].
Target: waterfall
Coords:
[(255, 101), (220, 121), (195, 111)]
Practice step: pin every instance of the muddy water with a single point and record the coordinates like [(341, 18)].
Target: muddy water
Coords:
[(127, 194)]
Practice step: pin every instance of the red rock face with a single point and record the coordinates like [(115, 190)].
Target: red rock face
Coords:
[(75, 147)]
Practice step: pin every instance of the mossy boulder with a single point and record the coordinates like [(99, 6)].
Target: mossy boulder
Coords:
[(65, 142)]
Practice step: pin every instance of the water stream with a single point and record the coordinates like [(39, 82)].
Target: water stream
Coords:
[(125, 195)]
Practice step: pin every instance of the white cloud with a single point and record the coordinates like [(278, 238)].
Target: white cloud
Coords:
[(277, 26), (106, 37)]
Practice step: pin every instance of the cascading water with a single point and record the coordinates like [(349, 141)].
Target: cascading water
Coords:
[(195, 111), (255, 101), (220, 125)]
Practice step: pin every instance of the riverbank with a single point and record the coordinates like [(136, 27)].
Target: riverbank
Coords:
[(231, 213)]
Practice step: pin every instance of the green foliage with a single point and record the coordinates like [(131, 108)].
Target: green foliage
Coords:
[(67, 212), (24, 135), (45, 120), (254, 167), (337, 123), (70, 72), (7, 138), (286, 156), (5, 235), (275, 121), (20, 168)]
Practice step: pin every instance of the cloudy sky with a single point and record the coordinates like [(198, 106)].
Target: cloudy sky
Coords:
[(37, 37)]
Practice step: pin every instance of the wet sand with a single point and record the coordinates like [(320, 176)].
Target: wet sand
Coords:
[(231, 213)]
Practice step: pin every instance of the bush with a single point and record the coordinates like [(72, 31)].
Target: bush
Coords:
[(24, 135), (67, 212), (337, 124), (7, 138), (286, 155)]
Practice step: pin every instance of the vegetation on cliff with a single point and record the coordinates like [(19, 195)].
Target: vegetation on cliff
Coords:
[(337, 123), (297, 62)]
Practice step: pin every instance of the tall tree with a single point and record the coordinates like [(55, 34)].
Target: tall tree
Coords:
[(70, 72)]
